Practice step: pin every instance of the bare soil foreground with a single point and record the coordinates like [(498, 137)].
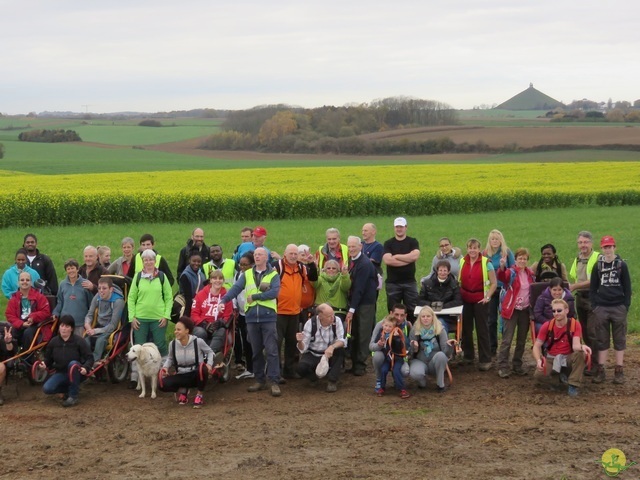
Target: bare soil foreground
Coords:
[(482, 428)]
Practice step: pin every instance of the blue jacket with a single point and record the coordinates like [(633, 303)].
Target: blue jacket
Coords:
[(10, 279)]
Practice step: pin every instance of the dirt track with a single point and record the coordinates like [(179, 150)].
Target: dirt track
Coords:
[(482, 428)]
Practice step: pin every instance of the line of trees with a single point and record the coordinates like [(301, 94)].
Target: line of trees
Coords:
[(285, 128), (49, 136)]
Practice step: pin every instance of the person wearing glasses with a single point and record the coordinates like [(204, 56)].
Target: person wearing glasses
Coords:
[(610, 295), (564, 360), (449, 253)]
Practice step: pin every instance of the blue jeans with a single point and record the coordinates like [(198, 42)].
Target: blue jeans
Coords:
[(264, 336), (59, 382), (398, 380)]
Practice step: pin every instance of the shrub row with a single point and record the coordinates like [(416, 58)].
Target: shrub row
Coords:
[(37, 209)]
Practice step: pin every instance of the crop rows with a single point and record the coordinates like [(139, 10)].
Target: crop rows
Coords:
[(311, 192)]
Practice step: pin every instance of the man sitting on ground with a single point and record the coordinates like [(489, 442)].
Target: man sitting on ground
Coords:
[(322, 335), (564, 353)]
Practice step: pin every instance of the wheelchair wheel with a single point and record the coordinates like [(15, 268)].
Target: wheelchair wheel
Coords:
[(36, 375), (226, 374), (118, 368)]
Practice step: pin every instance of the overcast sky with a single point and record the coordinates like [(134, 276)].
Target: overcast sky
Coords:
[(148, 56)]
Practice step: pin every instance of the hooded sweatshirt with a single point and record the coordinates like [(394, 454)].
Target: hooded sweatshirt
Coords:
[(183, 357), (610, 283), (10, 279), (109, 312)]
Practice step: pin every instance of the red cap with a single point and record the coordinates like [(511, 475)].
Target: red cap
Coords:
[(607, 241), (260, 231)]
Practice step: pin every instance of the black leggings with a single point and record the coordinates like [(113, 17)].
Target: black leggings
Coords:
[(172, 383)]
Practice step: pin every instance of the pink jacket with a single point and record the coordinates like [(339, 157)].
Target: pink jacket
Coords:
[(509, 277)]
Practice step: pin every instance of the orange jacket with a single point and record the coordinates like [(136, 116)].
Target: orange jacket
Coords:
[(290, 296)]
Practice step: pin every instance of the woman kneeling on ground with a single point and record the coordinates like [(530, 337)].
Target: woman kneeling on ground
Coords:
[(71, 358), (187, 355), (432, 348)]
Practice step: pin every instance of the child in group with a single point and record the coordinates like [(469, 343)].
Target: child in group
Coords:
[(392, 341)]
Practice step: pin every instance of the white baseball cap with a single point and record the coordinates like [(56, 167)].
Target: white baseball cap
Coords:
[(400, 222)]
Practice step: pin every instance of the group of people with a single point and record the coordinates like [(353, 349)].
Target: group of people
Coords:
[(312, 312)]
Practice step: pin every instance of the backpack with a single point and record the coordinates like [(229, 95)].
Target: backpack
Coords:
[(396, 332), (314, 329), (301, 269), (569, 332), (175, 360), (161, 276)]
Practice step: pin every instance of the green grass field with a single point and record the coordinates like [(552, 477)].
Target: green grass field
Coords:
[(66, 158), (528, 228)]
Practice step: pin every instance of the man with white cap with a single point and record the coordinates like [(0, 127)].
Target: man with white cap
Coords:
[(401, 253)]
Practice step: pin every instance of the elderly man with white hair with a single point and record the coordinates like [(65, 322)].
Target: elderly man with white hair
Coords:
[(91, 270), (261, 285), (361, 316), (292, 276), (332, 250)]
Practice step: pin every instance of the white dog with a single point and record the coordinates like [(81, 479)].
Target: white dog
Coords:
[(147, 361)]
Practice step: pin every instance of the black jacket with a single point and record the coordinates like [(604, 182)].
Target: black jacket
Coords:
[(364, 282), (448, 292), (45, 268), (59, 354), (183, 257)]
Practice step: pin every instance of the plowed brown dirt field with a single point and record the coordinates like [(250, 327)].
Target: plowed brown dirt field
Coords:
[(483, 427)]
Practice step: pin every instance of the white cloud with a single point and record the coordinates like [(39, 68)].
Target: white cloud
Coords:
[(166, 55)]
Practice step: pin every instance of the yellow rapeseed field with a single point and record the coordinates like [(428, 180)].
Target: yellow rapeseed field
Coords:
[(315, 191)]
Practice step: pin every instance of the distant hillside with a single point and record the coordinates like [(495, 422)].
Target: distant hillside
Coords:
[(530, 99)]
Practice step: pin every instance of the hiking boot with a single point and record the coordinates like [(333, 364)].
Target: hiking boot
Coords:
[(275, 390), (404, 394), (257, 387), (332, 387), (519, 371), (483, 367), (618, 376), (379, 391), (564, 380), (198, 402), (70, 402), (600, 375), (504, 373), (573, 391)]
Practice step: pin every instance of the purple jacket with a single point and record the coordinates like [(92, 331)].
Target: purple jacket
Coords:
[(542, 309)]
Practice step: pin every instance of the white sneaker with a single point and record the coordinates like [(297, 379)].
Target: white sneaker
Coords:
[(245, 374)]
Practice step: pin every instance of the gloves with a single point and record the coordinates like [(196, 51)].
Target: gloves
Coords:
[(213, 326)]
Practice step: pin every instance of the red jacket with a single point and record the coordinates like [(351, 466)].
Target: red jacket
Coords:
[(205, 307), (511, 280), (40, 311)]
